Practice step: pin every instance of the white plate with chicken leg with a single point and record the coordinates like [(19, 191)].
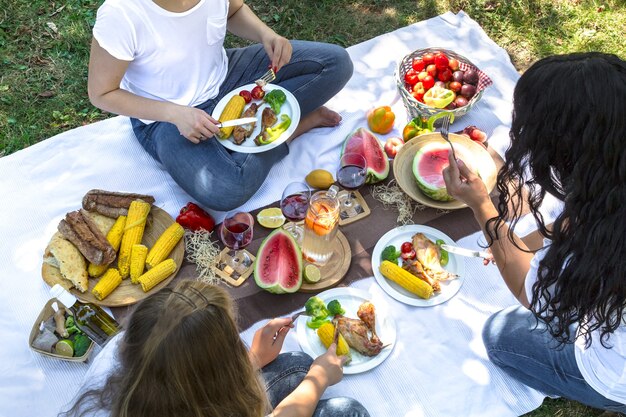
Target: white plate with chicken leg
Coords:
[(356, 329), (446, 280)]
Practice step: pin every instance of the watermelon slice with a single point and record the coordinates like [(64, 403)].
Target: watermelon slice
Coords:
[(428, 165), (364, 142), (278, 264)]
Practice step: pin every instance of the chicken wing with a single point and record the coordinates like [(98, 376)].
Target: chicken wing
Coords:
[(429, 256), (367, 314), (356, 334)]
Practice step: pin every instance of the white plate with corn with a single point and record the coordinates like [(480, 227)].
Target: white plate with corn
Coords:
[(290, 108), (405, 287), (351, 299)]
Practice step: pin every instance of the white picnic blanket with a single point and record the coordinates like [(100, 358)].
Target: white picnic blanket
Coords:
[(438, 367)]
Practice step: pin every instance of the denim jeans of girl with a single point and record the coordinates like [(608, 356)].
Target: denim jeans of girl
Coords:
[(221, 179), (525, 350), (288, 370)]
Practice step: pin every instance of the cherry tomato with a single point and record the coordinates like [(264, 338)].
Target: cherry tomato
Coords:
[(246, 95), (428, 82), (411, 77), (453, 64), (441, 60), (418, 64), (406, 247), (431, 70), (445, 75), (408, 255), (257, 93), (428, 58)]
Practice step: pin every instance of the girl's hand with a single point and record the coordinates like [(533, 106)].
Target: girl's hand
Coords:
[(278, 50), (264, 349), (194, 124), (329, 365), (463, 184)]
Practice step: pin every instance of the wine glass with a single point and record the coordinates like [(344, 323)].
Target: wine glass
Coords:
[(236, 234), (293, 204), (351, 175)]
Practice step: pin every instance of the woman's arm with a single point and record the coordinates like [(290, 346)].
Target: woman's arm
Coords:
[(244, 23), (512, 262), (105, 74)]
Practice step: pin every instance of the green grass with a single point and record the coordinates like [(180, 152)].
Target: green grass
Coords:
[(44, 50)]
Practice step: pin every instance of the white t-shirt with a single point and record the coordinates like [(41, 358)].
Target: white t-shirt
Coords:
[(603, 369), (175, 57)]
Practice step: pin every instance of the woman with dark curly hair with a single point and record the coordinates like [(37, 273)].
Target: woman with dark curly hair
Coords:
[(568, 139)]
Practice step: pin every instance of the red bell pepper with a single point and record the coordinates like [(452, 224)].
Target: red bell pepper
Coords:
[(193, 217)]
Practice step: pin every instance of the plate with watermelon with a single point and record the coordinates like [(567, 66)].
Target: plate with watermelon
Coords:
[(419, 164)]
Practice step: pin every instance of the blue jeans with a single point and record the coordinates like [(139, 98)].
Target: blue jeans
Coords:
[(524, 349), (288, 370), (221, 179)]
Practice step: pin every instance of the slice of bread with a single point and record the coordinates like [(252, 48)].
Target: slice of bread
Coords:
[(72, 265)]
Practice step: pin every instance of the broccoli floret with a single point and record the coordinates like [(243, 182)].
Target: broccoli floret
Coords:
[(317, 322), (334, 308), (275, 99), (81, 344), (316, 308), (70, 325), (390, 254)]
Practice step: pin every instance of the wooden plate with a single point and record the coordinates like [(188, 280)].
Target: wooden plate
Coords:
[(403, 167), (333, 272), (128, 293)]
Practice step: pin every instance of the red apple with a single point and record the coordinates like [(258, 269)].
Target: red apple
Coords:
[(392, 146)]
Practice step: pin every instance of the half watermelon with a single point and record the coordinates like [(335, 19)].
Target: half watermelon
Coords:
[(278, 263), (365, 143), (428, 165)]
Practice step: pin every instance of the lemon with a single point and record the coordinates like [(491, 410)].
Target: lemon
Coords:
[(320, 178), (312, 274), (271, 218), (64, 347)]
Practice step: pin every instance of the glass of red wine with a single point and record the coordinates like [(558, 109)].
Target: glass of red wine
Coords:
[(293, 204), (351, 175), (236, 234)]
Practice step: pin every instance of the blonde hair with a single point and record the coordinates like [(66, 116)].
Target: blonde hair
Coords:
[(182, 355)]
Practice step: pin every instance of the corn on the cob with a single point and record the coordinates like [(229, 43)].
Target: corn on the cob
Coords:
[(137, 262), (406, 280), (114, 237), (233, 110), (109, 281), (326, 333), (157, 274), (164, 245), (133, 233)]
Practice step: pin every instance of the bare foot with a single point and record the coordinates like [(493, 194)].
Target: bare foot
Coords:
[(320, 117)]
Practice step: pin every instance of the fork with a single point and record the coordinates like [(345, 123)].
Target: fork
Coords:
[(293, 319), (266, 78), (445, 128)]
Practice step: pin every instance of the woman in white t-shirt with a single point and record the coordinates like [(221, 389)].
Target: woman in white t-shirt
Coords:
[(163, 63), (568, 139), (181, 356)]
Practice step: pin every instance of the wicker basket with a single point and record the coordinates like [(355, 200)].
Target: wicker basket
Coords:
[(416, 109)]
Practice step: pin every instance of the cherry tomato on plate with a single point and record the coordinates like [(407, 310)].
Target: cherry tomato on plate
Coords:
[(406, 247), (246, 95), (408, 255), (257, 93)]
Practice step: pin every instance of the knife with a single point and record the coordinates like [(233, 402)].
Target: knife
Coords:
[(237, 122), (465, 252)]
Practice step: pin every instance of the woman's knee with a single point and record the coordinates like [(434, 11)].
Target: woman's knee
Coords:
[(296, 359), (340, 406), (343, 66)]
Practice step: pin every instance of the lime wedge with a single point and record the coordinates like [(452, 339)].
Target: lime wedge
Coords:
[(64, 347), (271, 218), (312, 274)]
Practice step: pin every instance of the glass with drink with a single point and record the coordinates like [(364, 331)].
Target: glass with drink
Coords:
[(293, 205), (236, 234), (320, 226), (351, 175)]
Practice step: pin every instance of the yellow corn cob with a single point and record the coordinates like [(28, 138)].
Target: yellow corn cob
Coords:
[(137, 262), (109, 281), (233, 110), (326, 333), (157, 274), (164, 245), (133, 233), (406, 280), (114, 236)]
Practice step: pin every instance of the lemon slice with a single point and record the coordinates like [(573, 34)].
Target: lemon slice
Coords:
[(64, 347), (312, 274), (271, 218)]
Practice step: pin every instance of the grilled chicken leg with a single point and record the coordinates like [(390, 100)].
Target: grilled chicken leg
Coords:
[(428, 255)]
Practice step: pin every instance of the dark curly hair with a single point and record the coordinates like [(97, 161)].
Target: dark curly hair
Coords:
[(568, 138)]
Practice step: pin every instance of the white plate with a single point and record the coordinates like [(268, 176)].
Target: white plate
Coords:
[(350, 300), (290, 107), (402, 234)]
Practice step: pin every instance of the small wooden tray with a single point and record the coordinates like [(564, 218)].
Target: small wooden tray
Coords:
[(239, 275), (45, 314), (333, 272), (359, 210)]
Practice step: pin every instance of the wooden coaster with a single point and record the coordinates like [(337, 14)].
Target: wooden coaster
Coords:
[(237, 275), (357, 211), (335, 269)]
